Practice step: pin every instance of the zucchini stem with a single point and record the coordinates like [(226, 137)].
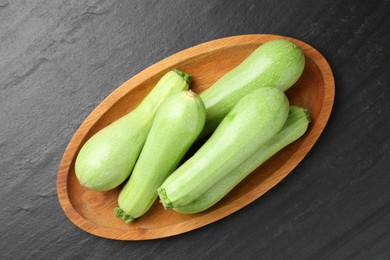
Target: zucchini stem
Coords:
[(307, 113), (119, 213), (164, 198), (185, 76)]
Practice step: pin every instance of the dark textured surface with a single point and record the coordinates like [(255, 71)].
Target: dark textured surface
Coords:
[(59, 59)]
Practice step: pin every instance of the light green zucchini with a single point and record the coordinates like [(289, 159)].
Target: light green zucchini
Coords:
[(295, 126), (254, 120), (108, 157), (177, 124), (277, 63)]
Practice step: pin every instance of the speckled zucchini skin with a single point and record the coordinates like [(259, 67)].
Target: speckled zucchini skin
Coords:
[(277, 63), (176, 126), (108, 157)]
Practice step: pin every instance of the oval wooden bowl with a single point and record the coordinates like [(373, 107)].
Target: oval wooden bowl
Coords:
[(93, 211)]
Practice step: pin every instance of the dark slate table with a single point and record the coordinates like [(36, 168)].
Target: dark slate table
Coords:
[(59, 59)]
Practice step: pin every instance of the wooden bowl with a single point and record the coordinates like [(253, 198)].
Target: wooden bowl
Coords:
[(93, 211)]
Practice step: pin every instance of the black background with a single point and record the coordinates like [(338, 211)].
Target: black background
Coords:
[(59, 59)]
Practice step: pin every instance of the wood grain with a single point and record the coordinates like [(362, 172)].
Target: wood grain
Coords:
[(93, 211)]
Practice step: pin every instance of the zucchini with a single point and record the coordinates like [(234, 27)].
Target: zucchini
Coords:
[(255, 119), (295, 126), (177, 124), (277, 63), (108, 157)]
